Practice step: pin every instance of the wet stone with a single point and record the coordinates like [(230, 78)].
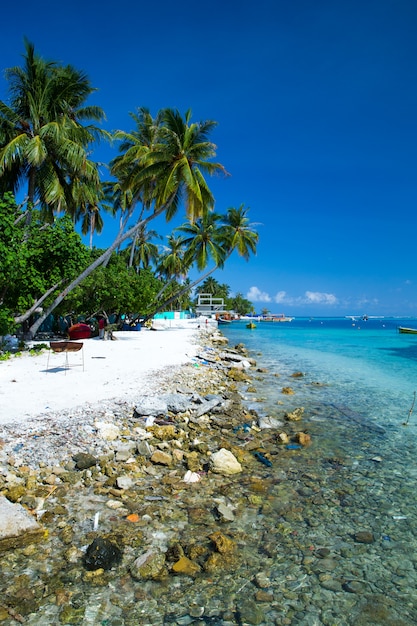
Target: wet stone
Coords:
[(102, 553), (249, 612), (185, 566), (289, 555), (353, 586), (149, 566), (322, 553), (364, 536)]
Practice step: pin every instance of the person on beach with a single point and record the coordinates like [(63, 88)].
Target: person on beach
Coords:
[(101, 327)]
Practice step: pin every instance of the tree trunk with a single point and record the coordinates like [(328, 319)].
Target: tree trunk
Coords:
[(22, 318), (121, 237)]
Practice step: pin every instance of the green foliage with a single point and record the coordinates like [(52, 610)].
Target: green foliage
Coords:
[(240, 305), (33, 258), (114, 289), (7, 325), (38, 347), (164, 160), (45, 145), (213, 287)]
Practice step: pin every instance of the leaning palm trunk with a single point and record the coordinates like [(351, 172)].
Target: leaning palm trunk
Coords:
[(101, 260), (22, 318)]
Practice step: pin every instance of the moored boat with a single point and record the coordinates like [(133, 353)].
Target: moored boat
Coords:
[(223, 320), (251, 325), (409, 331), (276, 318)]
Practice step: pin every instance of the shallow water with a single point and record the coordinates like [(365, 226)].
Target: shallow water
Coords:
[(300, 560), (363, 379), (368, 366)]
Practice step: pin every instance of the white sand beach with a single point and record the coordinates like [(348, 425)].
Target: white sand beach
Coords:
[(36, 385)]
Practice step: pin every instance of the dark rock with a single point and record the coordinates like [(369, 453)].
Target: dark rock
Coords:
[(102, 553), (331, 585), (84, 460), (364, 536), (249, 613), (353, 586), (322, 553)]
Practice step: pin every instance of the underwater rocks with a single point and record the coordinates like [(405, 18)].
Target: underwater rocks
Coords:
[(17, 527), (102, 553), (364, 536), (149, 566), (172, 541), (296, 415), (224, 462)]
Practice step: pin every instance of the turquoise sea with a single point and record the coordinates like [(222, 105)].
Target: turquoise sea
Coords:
[(359, 475), (367, 366)]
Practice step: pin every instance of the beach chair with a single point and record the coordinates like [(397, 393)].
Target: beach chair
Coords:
[(66, 347)]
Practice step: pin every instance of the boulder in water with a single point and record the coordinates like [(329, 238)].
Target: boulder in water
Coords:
[(224, 462), (102, 553)]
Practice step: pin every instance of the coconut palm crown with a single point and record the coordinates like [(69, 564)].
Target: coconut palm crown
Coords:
[(43, 142), (165, 160)]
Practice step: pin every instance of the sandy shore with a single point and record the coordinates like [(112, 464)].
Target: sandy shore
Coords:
[(32, 386)]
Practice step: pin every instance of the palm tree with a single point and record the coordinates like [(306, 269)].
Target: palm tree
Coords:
[(135, 148), (240, 234), (172, 264), (210, 285), (92, 222), (42, 139), (204, 240), (142, 251), (162, 163), (215, 237), (90, 201)]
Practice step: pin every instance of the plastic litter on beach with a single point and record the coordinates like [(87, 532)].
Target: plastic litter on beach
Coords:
[(262, 459), (293, 446)]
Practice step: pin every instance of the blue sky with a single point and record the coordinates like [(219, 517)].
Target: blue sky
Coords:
[(316, 104)]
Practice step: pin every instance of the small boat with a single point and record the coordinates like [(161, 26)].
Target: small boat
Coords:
[(223, 320), (251, 325), (409, 331), (79, 331), (276, 318)]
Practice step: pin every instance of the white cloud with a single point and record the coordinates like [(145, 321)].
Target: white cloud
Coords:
[(282, 297), (309, 297), (318, 297), (256, 295)]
